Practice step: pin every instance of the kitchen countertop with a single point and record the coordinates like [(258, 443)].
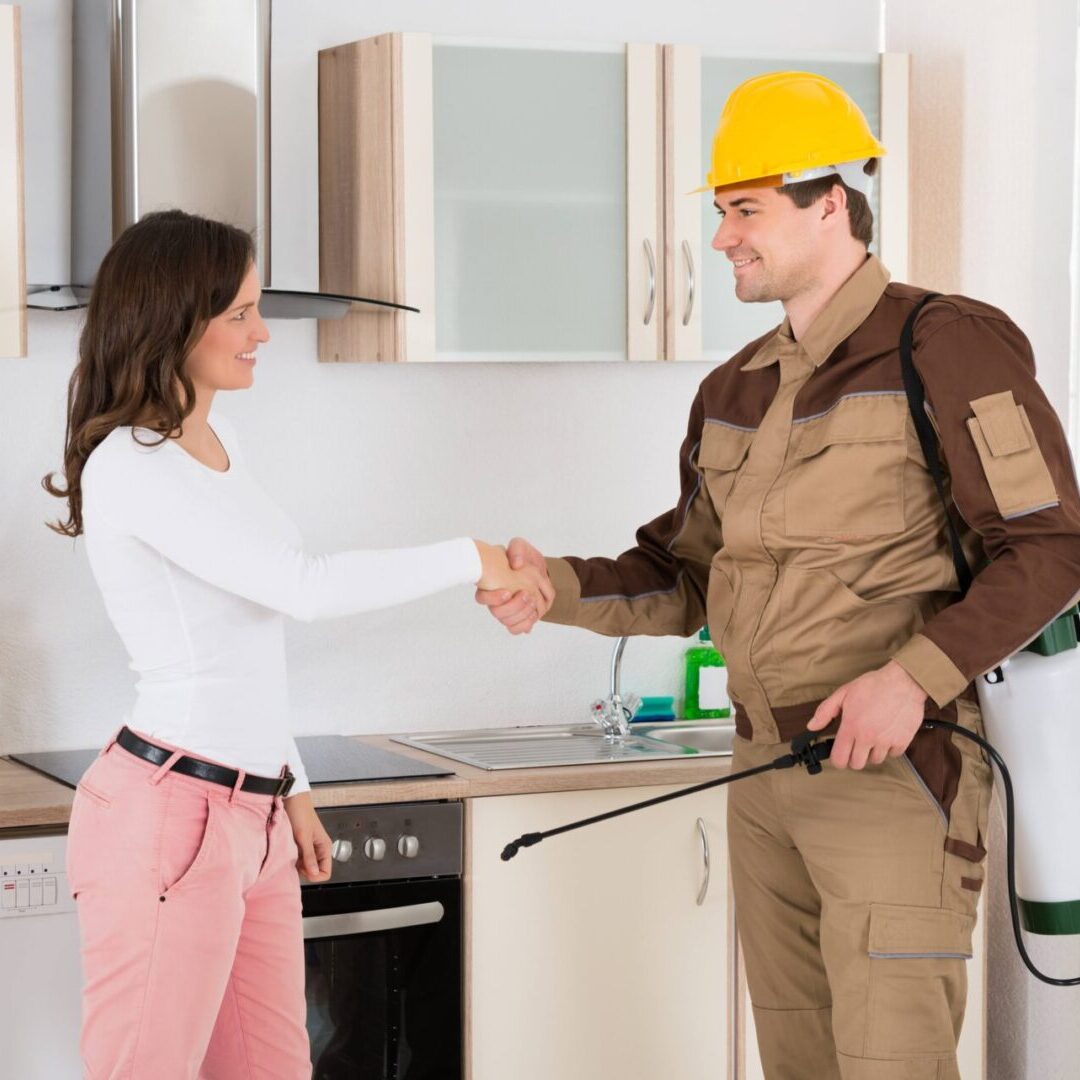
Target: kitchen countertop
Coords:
[(28, 799)]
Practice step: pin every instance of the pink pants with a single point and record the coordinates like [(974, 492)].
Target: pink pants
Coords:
[(189, 912)]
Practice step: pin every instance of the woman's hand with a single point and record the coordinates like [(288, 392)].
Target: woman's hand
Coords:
[(517, 611), (497, 576), (312, 840)]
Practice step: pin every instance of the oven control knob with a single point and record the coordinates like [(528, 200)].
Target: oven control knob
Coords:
[(408, 846), (341, 850), (374, 848)]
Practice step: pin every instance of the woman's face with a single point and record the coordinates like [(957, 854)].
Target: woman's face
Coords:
[(224, 357)]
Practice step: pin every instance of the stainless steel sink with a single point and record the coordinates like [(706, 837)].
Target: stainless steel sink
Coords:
[(583, 744), (706, 736)]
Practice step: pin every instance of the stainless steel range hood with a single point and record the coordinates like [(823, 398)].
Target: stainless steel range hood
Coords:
[(172, 109)]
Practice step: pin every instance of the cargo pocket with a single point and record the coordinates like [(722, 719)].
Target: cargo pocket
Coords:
[(846, 470), (1011, 459), (918, 979), (723, 450)]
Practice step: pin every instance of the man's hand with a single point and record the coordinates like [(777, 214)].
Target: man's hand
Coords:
[(880, 712), (519, 612), (311, 838)]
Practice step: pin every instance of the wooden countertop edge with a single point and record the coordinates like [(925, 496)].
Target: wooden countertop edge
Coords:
[(29, 800)]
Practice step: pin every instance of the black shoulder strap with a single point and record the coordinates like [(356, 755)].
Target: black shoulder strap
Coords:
[(916, 396)]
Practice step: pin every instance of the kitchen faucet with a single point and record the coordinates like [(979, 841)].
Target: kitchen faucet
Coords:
[(614, 713)]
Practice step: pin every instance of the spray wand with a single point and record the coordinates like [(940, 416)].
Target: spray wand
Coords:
[(804, 751)]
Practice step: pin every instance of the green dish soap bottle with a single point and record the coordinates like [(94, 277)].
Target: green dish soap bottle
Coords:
[(706, 681)]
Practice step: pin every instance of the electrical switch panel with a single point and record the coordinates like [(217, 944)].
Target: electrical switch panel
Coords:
[(33, 883)]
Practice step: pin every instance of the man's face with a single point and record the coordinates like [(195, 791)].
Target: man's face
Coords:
[(771, 243)]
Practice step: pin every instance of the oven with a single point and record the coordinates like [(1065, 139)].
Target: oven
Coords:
[(382, 945)]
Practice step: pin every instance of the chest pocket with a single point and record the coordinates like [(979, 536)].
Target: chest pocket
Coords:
[(723, 450), (845, 470)]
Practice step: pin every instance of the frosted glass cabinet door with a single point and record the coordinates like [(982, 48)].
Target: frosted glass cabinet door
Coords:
[(530, 185), (728, 323)]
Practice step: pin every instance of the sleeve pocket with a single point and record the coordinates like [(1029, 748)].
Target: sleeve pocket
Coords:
[(1011, 459)]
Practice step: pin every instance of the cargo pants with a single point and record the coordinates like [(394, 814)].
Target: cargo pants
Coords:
[(855, 894)]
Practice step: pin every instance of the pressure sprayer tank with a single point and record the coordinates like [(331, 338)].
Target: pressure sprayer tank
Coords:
[(1031, 709)]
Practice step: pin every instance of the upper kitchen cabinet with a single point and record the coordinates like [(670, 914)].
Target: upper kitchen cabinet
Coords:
[(510, 191), (697, 85)]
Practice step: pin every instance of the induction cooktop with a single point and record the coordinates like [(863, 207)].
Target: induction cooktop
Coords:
[(329, 759)]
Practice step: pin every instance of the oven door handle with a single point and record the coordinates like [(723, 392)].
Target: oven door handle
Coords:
[(370, 922)]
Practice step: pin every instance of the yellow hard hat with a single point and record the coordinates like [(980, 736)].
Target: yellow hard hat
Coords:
[(787, 127)]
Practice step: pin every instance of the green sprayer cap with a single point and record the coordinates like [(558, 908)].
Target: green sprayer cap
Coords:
[(703, 634), (1060, 635)]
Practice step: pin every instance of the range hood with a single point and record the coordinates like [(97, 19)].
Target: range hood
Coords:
[(171, 108)]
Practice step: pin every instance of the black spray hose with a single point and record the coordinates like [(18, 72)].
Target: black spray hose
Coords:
[(804, 751)]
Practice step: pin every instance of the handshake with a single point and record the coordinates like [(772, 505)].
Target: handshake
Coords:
[(514, 584)]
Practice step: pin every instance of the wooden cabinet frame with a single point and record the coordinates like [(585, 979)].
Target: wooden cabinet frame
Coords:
[(12, 219), (377, 195)]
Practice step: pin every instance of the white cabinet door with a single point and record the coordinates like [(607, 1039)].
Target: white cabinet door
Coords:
[(698, 90), (589, 955)]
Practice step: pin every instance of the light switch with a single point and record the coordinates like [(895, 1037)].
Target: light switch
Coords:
[(22, 892), (7, 896), (48, 890), (35, 892)]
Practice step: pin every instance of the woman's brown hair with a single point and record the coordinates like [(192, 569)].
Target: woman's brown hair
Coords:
[(158, 287)]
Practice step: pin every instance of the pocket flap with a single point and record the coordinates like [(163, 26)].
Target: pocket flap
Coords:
[(901, 931), (723, 447), (1002, 425), (870, 418)]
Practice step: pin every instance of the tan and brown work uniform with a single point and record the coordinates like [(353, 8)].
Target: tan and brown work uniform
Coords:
[(809, 533)]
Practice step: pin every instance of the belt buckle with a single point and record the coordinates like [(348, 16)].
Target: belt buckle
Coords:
[(285, 785)]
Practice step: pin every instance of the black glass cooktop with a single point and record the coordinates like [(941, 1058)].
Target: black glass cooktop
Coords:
[(329, 759)]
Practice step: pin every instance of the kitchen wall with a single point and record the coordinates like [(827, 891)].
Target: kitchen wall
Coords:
[(993, 204), (574, 456)]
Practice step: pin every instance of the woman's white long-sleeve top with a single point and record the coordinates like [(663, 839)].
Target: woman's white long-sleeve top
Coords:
[(198, 568)]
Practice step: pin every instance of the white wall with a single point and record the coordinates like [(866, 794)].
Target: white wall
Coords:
[(574, 456), (993, 176)]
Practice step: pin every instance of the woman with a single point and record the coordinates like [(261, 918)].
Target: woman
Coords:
[(188, 830)]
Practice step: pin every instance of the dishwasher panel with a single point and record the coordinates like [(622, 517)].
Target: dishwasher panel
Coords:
[(39, 958)]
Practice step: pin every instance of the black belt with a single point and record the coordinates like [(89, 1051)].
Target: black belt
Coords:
[(204, 770)]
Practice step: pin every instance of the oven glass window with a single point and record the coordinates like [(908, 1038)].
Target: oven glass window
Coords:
[(385, 1004)]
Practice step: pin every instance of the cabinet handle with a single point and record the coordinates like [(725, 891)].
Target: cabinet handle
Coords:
[(704, 833), (651, 305), (689, 256)]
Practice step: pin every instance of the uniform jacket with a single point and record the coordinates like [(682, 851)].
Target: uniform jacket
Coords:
[(808, 532)]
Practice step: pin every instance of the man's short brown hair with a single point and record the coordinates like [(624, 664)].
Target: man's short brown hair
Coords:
[(860, 216)]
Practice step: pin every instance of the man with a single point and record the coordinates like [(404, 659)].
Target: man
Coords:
[(809, 535)]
